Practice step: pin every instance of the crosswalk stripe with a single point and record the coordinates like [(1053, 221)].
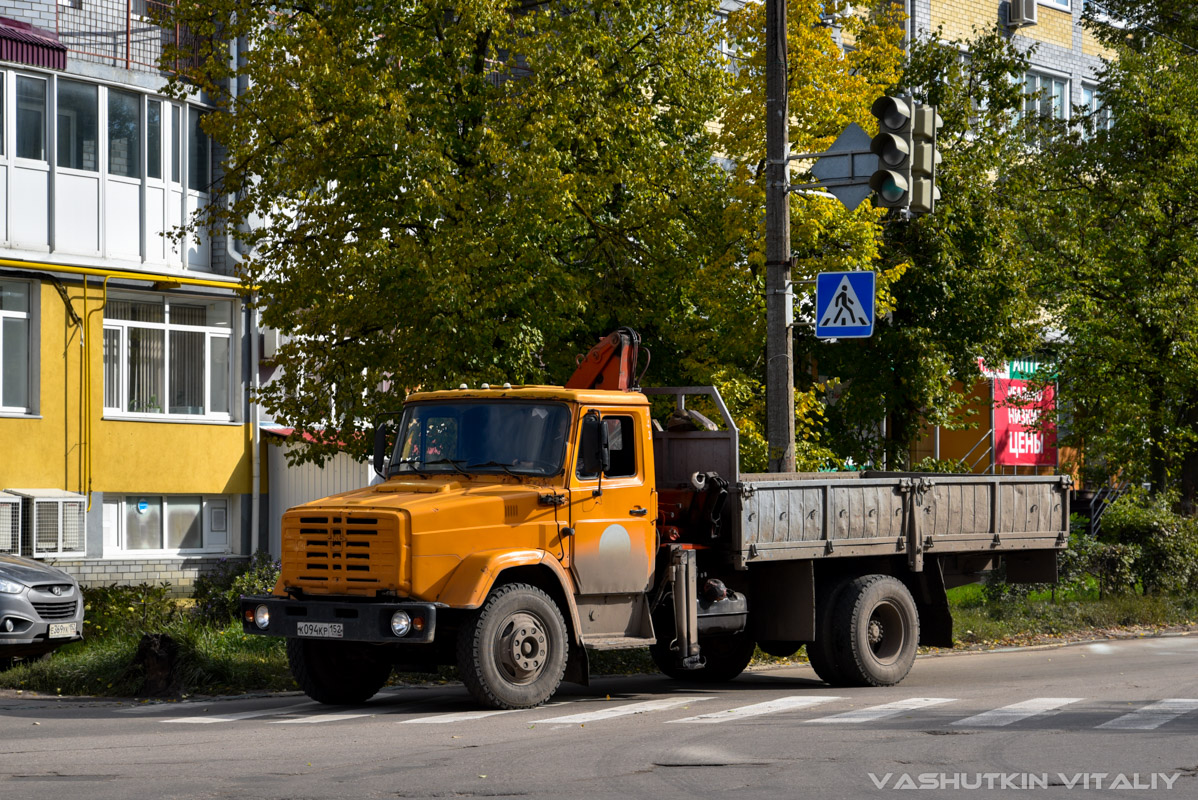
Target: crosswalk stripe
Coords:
[(758, 709), (1151, 716), (621, 711), (262, 712), (313, 719), (998, 717), (465, 716), (883, 711)]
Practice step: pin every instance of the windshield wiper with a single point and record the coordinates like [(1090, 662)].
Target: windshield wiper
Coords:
[(456, 463), (411, 461), (503, 467)]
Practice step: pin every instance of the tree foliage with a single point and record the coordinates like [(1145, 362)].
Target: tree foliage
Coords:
[(829, 87), (1118, 236), (968, 286), (435, 192)]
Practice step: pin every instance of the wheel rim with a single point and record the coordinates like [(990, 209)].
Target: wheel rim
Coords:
[(886, 632), (522, 648)]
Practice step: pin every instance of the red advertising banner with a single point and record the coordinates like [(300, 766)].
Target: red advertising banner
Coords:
[(1024, 430)]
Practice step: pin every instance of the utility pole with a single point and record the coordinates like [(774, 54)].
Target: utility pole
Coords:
[(779, 394)]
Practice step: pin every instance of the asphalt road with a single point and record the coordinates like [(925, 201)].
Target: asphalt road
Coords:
[(1108, 719)]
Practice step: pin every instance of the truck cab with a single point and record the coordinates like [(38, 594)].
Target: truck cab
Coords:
[(540, 501)]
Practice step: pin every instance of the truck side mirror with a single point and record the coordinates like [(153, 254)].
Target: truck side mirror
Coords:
[(381, 432), (596, 455)]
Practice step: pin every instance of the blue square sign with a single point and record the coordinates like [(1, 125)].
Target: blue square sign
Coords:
[(844, 305)]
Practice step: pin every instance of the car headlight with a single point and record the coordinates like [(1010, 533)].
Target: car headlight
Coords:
[(262, 617), (11, 587)]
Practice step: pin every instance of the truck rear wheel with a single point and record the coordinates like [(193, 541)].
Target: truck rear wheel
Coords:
[(876, 631), (337, 673), (512, 653), (725, 657)]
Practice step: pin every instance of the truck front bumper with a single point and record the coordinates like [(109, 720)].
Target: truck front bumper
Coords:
[(334, 620)]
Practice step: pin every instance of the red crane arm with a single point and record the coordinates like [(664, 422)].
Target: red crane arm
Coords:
[(611, 364)]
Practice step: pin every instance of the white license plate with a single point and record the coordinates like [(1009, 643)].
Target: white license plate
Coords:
[(321, 630), (59, 630)]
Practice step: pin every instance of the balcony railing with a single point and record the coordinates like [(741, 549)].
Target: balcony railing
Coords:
[(122, 33)]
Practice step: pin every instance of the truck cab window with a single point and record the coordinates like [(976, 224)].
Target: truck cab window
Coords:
[(621, 442)]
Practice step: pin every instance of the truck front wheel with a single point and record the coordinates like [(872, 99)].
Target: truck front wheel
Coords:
[(337, 673), (876, 631), (512, 653)]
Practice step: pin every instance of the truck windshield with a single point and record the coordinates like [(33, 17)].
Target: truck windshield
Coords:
[(480, 436)]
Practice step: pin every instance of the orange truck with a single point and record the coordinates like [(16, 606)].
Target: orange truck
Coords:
[(519, 527)]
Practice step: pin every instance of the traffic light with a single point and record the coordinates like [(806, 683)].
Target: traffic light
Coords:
[(925, 159), (892, 146)]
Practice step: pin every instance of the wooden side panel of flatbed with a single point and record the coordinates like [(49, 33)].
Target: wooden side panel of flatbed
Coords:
[(814, 516)]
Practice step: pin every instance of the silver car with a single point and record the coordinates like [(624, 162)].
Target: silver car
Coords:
[(41, 608)]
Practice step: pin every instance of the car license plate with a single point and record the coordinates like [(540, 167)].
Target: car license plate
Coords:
[(59, 630), (321, 630)]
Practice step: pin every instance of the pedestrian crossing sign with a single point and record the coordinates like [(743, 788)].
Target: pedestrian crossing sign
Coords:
[(844, 305)]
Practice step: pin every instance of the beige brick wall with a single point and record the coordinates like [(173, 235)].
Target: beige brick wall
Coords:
[(1054, 27), (1091, 47), (960, 17)]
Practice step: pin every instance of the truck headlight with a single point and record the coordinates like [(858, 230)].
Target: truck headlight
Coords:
[(401, 623), (11, 587), (262, 617)]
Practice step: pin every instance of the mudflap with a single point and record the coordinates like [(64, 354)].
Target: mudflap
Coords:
[(931, 601)]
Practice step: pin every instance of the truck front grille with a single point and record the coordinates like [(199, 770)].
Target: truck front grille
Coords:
[(343, 552)]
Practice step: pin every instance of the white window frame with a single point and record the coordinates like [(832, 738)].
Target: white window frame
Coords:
[(213, 540), (211, 333), (1059, 5), (1044, 101), (32, 339), (1092, 104)]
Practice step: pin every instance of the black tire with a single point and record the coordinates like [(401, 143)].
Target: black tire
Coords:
[(512, 653), (337, 673), (725, 657), (876, 631), (822, 652)]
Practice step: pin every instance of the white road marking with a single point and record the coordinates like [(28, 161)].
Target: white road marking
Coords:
[(758, 709), (883, 711), (1101, 648), (312, 719), (1151, 716), (262, 712), (465, 716), (1015, 712), (621, 711)]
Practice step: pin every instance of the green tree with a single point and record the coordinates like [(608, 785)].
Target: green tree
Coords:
[(829, 88), (1118, 235), (460, 191), (968, 284)]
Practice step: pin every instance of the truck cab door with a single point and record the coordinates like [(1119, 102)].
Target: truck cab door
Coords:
[(614, 514)]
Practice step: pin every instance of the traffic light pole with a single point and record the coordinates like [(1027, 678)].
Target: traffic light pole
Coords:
[(780, 415)]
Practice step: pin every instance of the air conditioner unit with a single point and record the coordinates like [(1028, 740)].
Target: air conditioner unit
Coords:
[(1021, 13), (53, 522), (270, 343), (10, 523)]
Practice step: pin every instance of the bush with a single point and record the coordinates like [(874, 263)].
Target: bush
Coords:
[(217, 593), (1165, 544), (126, 610), (1114, 565)]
